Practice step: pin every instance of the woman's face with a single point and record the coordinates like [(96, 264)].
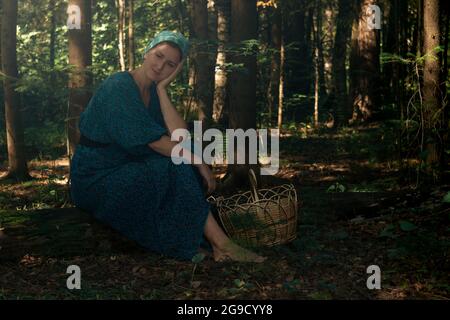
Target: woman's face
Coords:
[(161, 61)]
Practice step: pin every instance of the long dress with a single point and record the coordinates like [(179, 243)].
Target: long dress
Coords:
[(129, 186)]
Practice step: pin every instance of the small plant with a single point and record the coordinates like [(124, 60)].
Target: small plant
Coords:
[(336, 187), (199, 257)]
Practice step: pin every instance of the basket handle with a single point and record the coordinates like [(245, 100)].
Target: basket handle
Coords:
[(254, 183)]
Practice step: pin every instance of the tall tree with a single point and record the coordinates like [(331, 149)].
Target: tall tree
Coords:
[(364, 64), (17, 164), (395, 43), (298, 47), (341, 112), (275, 45), (223, 8), (203, 60), (433, 114), (243, 83), (131, 47), (319, 37), (80, 57), (121, 34), (52, 8), (281, 83)]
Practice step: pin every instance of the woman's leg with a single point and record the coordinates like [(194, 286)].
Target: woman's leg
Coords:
[(223, 247)]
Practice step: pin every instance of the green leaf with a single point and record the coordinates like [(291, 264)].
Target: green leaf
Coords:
[(407, 225), (446, 198), (198, 258)]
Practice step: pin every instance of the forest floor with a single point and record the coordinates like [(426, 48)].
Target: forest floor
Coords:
[(377, 218)]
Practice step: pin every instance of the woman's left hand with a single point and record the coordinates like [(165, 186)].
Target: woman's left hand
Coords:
[(165, 82)]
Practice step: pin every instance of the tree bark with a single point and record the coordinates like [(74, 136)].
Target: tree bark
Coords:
[(80, 81), (431, 99), (281, 86), (17, 164), (52, 33), (275, 44), (202, 72), (131, 48), (121, 35), (318, 37), (341, 112), (223, 8), (364, 66), (52, 10), (299, 60), (243, 84)]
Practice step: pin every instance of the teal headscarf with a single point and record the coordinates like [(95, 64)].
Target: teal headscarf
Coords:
[(175, 37)]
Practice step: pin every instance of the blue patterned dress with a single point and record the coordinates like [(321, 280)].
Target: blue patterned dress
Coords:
[(127, 185)]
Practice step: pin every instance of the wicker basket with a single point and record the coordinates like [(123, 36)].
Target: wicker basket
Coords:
[(264, 217)]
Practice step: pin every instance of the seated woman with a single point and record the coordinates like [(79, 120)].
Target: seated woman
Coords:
[(122, 169)]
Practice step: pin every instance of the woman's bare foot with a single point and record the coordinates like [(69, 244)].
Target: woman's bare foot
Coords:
[(234, 252)]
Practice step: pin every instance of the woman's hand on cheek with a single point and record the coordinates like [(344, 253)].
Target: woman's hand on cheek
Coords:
[(165, 82)]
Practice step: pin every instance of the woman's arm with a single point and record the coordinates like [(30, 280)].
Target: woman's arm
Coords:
[(171, 117), (164, 146)]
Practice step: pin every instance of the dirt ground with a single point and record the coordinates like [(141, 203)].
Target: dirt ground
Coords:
[(357, 209)]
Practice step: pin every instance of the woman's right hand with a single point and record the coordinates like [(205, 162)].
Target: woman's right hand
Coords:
[(208, 177)]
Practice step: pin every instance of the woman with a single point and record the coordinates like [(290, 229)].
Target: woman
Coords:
[(122, 170)]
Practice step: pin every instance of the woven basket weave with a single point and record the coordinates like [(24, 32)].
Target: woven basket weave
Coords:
[(264, 217)]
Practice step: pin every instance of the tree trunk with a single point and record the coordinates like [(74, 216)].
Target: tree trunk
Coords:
[(281, 86), (390, 46), (330, 10), (420, 16), (431, 99), (275, 44), (52, 9), (17, 164), (223, 8), (52, 33), (445, 159), (298, 56), (364, 65), (316, 87), (121, 35), (341, 112), (80, 57), (319, 78), (243, 83), (202, 72), (131, 49), (319, 46)]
